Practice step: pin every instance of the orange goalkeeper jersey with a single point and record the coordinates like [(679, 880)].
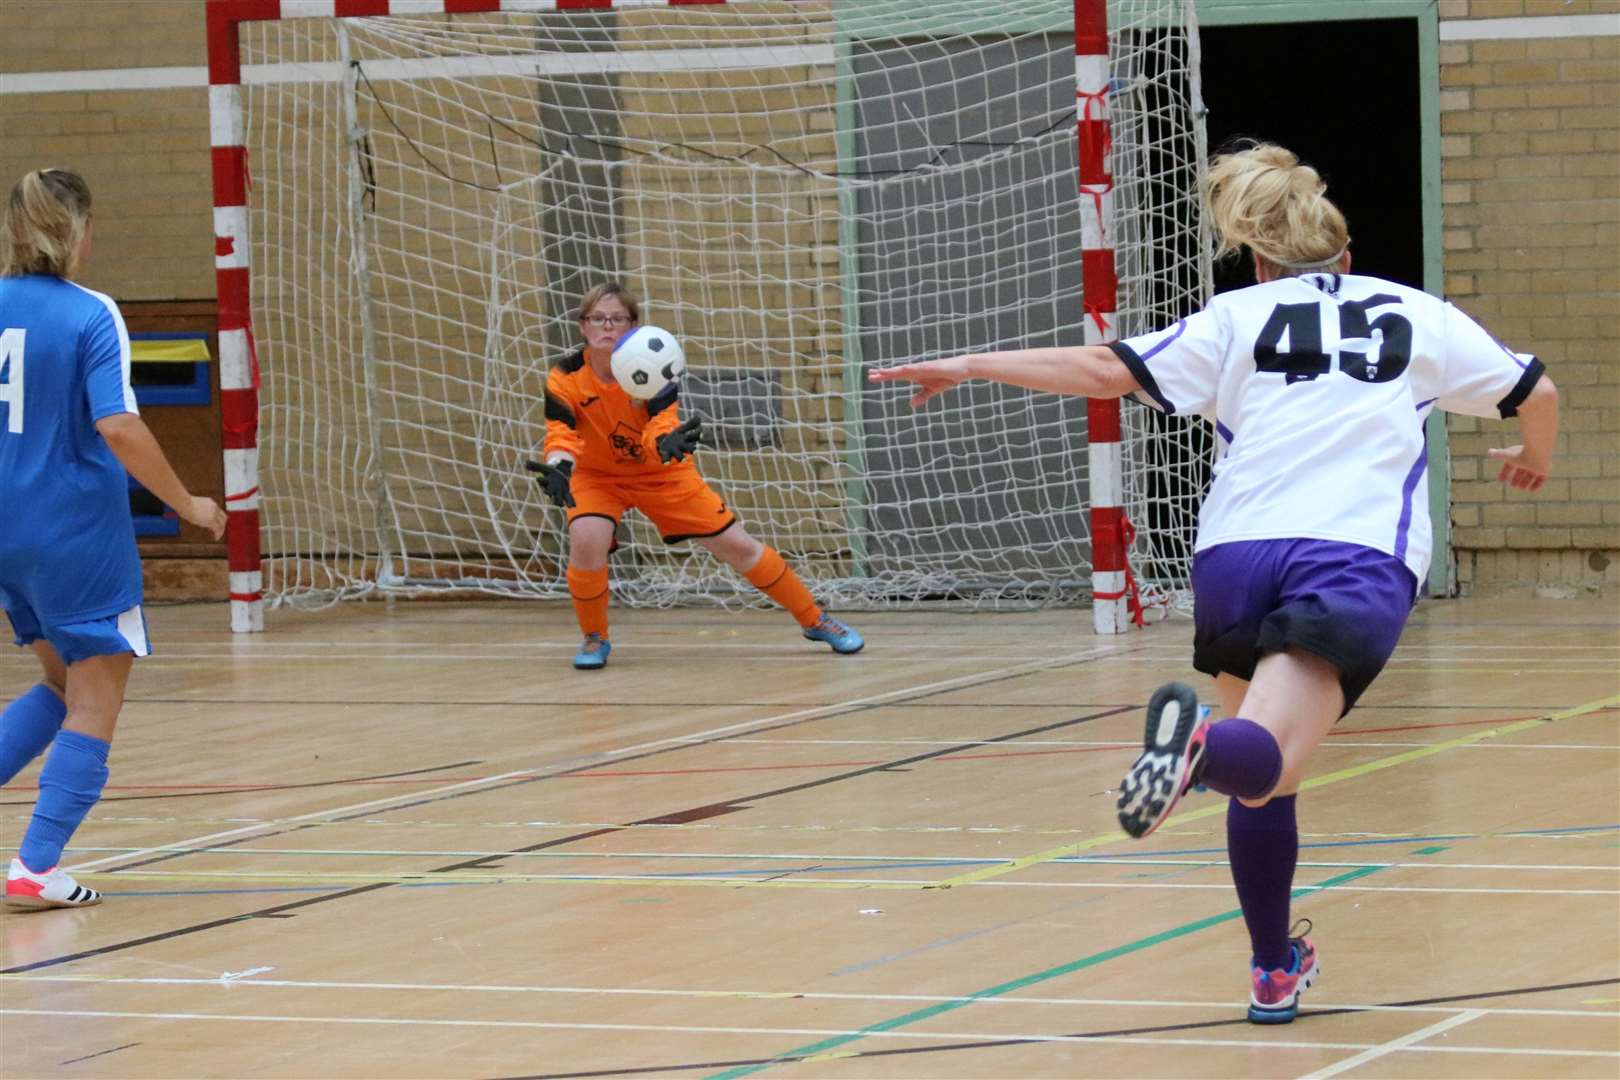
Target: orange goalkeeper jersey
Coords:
[(605, 429)]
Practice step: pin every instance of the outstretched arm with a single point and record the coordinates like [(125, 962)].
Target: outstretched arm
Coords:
[(1083, 370), (1527, 464)]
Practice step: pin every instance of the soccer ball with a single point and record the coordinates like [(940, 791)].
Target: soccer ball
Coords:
[(646, 360)]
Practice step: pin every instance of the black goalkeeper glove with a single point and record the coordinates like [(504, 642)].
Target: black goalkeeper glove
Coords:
[(680, 442), (553, 480)]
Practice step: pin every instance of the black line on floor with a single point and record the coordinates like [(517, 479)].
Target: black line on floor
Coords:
[(1157, 1029), (273, 787), (375, 886), (853, 710), (195, 928), (99, 1053), (746, 802)]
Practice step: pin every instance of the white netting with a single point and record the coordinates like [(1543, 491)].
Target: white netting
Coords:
[(800, 191)]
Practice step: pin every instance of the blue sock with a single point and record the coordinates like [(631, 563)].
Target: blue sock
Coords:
[(27, 727), (69, 786)]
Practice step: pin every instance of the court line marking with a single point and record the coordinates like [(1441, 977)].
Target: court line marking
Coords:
[(1310, 840), (1607, 747), (1142, 943), (905, 1020), (1350, 773), (693, 1029), (887, 1027), (1147, 654), (959, 682), (1118, 744), (1224, 1007), (480, 650), (1405, 1042), (236, 648), (782, 882), (127, 792), (810, 857), (796, 657)]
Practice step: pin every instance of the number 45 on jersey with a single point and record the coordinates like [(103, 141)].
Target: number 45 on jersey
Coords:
[(1373, 351)]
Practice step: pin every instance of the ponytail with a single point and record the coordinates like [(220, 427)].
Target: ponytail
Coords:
[(44, 223)]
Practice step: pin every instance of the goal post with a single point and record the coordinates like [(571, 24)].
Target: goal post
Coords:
[(411, 195)]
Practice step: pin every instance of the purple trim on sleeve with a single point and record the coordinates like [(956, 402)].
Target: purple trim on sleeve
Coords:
[(1181, 328), (1224, 432), (1425, 404), (1500, 344), (1407, 489)]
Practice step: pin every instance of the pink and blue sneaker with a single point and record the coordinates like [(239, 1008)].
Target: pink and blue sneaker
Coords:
[(1169, 763), (1274, 995)]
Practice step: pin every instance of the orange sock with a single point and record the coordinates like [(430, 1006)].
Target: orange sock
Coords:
[(589, 590), (776, 579)]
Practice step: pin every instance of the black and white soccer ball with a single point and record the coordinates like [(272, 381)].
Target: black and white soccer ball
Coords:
[(646, 360)]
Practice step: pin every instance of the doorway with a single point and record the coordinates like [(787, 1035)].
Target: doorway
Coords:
[(1345, 97)]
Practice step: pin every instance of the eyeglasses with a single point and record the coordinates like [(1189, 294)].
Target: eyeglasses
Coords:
[(600, 321)]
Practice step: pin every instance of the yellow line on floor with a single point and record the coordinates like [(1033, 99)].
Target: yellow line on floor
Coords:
[(1315, 782)]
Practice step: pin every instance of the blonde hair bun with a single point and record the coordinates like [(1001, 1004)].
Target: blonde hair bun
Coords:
[(1263, 198)]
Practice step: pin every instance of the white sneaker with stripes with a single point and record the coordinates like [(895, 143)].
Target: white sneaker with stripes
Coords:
[(54, 888)]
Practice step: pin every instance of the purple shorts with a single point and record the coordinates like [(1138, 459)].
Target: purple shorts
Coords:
[(1343, 602)]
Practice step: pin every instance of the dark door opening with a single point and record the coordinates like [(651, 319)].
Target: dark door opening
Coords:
[(1344, 97)]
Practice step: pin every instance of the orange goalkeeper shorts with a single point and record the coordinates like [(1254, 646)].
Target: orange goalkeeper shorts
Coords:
[(676, 500)]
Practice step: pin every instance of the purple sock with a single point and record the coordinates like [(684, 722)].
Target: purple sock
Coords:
[(1263, 844), (1240, 758)]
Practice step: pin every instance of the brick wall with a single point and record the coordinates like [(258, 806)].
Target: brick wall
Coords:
[(143, 152), (1531, 191)]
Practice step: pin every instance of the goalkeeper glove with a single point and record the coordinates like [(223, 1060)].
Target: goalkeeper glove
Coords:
[(680, 442), (553, 479)]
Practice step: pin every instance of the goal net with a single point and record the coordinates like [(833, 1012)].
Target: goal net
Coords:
[(800, 190)]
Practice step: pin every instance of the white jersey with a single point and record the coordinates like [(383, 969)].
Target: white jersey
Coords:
[(1319, 387)]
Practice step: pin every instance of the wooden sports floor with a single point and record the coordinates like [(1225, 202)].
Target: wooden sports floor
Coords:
[(410, 841)]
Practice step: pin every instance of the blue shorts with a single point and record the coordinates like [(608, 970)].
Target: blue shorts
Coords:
[(1343, 602), (125, 633)]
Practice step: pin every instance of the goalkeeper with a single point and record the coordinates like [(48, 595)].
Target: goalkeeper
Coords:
[(606, 453)]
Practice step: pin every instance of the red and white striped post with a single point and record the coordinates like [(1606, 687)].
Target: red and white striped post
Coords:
[(1110, 576), (238, 366)]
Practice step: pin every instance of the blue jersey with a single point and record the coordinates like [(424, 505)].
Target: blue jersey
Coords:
[(67, 544)]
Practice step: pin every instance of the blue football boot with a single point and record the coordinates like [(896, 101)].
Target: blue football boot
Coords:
[(842, 638), (593, 653)]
